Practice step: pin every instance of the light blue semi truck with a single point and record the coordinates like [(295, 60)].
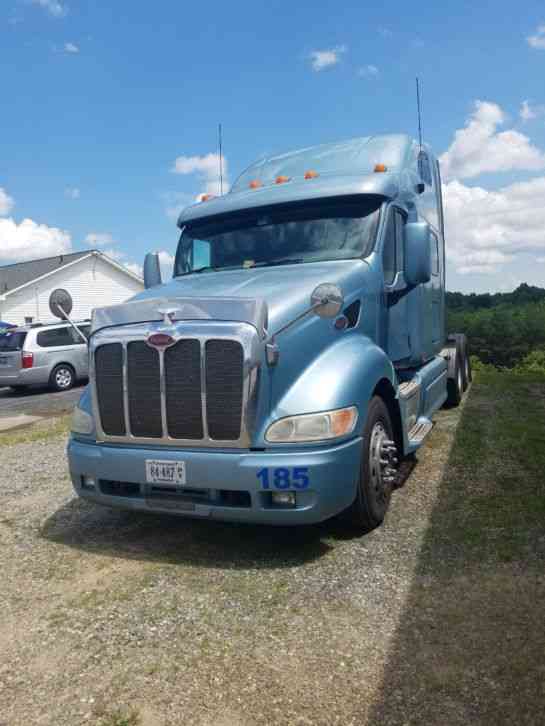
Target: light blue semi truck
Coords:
[(296, 357)]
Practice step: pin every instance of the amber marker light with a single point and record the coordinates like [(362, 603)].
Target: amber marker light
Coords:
[(381, 167), (206, 197), (281, 179), (311, 174), (255, 184)]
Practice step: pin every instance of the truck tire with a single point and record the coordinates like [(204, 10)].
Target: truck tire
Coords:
[(460, 339), (62, 377), (375, 482), (455, 385)]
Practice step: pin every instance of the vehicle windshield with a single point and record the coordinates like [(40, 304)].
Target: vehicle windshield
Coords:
[(11, 341), (280, 235)]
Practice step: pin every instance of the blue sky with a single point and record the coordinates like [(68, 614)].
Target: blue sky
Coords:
[(111, 110)]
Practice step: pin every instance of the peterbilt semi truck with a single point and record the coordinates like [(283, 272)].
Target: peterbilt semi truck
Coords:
[(297, 355)]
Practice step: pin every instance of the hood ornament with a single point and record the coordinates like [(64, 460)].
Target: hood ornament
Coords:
[(169, 313)]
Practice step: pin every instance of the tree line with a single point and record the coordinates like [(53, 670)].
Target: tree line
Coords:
[(505, 330)]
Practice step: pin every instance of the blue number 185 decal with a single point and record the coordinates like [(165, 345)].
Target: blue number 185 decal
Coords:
[(284, 477)]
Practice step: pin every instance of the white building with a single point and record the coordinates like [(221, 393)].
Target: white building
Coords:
[(91, 278)]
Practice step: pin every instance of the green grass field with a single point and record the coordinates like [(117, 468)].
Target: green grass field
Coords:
[(470, 646)]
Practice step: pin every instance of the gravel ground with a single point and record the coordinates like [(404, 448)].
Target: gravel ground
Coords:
[(117, 618)]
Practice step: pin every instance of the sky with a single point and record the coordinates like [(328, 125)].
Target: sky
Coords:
[(110, 112)]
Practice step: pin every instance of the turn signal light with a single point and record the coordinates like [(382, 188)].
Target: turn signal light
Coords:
[(27, 359), (311, 174), (281, 179), (381, 167), (255, 184)]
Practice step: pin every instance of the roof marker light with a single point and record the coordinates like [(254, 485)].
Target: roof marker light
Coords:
[(255, 184), (281, 179), (311, 174), (381, 167)]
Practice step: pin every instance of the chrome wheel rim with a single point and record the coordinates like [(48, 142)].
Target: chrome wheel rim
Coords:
[(63, 378), (460, 379), (466, 367), (382, 462)]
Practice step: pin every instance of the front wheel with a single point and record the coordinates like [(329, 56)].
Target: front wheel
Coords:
[(62, 377), (378, 469)]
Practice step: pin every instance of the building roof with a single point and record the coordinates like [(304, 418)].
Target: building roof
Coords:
[(12, 277)]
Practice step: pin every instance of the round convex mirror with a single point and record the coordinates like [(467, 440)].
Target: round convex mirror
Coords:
[(327, 300)]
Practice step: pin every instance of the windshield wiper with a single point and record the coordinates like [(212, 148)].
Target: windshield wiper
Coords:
[(282, 261), (198, 269)]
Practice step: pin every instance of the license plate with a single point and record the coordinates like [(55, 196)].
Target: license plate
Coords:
[(165, 472)]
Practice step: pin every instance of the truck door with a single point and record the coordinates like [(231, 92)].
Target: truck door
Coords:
[(396, 341)]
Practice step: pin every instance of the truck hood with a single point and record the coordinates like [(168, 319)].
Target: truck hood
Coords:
[(267, 298)]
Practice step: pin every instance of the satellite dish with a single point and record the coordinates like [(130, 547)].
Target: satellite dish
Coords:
[(60, 303)]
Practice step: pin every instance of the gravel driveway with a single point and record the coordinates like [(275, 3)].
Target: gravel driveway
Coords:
[(117, 618)]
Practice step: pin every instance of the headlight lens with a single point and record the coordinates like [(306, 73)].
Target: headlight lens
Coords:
[(82, 422), (313, 426)]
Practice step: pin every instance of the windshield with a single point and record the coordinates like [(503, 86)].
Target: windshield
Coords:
[(280, 235), (10, 342)]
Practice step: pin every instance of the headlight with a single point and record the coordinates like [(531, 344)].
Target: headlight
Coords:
[(82, 422), (313, 426)]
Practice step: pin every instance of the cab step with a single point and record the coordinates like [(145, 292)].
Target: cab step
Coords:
[(419, 432)]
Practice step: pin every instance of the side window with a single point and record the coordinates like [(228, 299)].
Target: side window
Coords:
[(76, 338), (400, 241), (394, 247), (434, 254), (55, 337), (389, 250)]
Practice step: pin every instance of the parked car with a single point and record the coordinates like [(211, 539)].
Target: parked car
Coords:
[(52, 355)]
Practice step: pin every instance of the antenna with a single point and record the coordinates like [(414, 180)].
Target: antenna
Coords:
[(220, 159), (419, 110)]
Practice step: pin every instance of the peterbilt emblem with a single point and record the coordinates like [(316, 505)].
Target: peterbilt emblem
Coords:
[(169, 313), (160, 340)]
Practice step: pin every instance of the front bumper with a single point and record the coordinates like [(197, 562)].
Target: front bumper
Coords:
[(332, 479)]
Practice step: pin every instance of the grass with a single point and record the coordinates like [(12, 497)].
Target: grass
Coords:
[(39, 431), (119, 717), (473, 629), (493, 499)]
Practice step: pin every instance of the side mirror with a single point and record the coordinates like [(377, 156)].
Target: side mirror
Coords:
[(327, 300), (152, 271), (417, 253)]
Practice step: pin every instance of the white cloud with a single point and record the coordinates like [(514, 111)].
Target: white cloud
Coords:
[(485, 229), (72, 193), (368, 71), (526, 112), (99, 239), (385, 32), (321, 59), (479, 147), (537, 40), (529, 113), (71, 48), (207, 170), (53, 7), (6, 203), (30, 240)]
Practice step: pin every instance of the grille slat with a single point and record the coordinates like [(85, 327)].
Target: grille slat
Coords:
[(182, 368), (109, 382), (183, 390), (144, 390), (224, 370)]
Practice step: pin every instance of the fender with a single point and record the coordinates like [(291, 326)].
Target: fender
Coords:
[(344, 374)]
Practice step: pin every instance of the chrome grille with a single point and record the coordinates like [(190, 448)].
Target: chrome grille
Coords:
[(201, 390), (183, 384)]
